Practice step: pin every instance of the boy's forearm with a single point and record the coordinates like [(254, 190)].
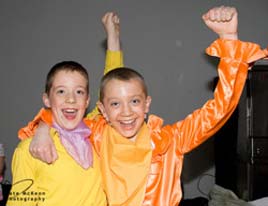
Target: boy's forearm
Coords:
[(114, 56), (111, 24), (42, 129), (113, 43)]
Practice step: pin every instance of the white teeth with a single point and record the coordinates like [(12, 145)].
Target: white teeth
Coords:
[(127, 122), (70, 110)]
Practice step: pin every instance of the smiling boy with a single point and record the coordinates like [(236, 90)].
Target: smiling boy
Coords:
[(77, 171), (75, 179)]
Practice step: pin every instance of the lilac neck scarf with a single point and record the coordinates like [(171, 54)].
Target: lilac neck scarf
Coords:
[(77, 144)]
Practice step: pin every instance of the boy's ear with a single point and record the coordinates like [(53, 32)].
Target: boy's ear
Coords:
[(46, 100), (88, 101), (148, 103), (102, 110)]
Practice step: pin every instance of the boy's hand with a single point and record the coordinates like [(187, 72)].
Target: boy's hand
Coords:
[(111, 24), (223, 21), (42, 147)]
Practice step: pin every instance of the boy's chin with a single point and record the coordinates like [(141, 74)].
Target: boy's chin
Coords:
[(131, 137), (69, 127)]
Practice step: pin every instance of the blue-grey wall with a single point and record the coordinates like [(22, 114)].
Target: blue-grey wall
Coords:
[(164, 40)]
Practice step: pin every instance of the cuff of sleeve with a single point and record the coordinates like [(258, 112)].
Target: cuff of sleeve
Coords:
[(112, 58), (44, 114), (235, 49)]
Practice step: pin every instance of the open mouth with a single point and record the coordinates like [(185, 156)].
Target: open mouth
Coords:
[(69, 113), (128, 124)]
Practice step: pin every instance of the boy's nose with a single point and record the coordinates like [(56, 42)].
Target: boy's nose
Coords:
[(70, 99), (126, 110)]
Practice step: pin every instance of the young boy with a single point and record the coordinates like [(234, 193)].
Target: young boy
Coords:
[(75, 179), (141, 161)]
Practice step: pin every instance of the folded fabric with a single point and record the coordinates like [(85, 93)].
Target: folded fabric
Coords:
[(220, 196), (260, 202), (77, 144)]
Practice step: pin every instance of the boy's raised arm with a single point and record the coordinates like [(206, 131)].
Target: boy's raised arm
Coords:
[(114, 55), (235, 59), (111, 24)]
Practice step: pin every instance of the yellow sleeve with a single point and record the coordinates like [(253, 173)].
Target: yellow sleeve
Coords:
[(114, 59), (23, 168)]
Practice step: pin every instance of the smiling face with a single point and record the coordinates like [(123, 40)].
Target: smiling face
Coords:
[(68, 98), (125, 105)]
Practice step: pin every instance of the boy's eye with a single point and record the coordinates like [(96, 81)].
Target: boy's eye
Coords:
[(80, 92), (114, 104), (60, 91), (136, 101)]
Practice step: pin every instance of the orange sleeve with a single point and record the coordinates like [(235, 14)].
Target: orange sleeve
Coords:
[(44, 115), (235, 58)]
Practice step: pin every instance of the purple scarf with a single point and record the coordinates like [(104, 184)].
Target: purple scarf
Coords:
[(77, 144)]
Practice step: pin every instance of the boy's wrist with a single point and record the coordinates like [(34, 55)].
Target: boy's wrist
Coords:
[(113, 44), (232, 36)]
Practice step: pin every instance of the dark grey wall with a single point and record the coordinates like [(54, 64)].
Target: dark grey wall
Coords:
[(164, 40)]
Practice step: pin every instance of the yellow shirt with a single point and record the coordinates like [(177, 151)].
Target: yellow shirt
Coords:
[(64, 182), (61, 183)]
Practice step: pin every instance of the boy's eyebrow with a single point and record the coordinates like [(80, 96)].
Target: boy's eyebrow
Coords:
[(137, 95), (115, 98), (80, 86)]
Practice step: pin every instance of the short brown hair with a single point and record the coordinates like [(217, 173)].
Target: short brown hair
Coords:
[(123, 74), (71, 66)]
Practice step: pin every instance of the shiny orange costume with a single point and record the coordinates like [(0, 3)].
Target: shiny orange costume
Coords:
[(171, 142)]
